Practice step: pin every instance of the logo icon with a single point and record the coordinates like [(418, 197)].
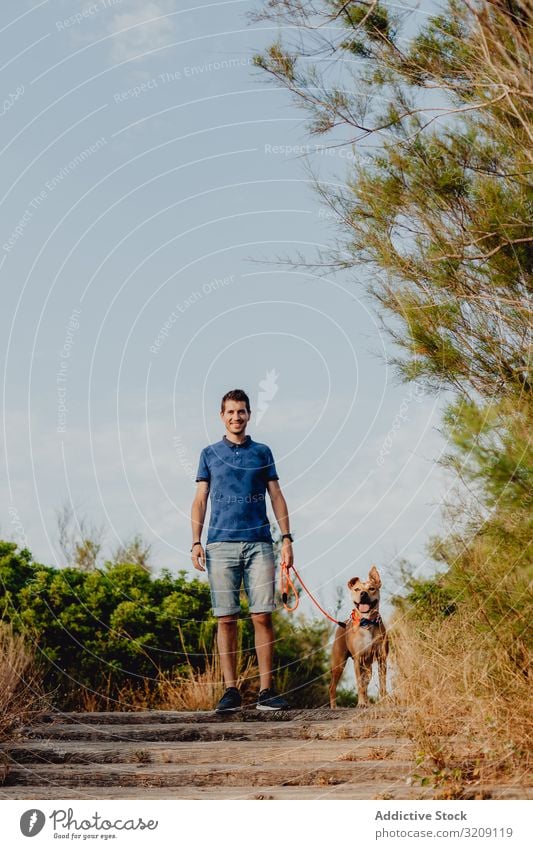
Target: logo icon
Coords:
[(267, 389), (32, 822)]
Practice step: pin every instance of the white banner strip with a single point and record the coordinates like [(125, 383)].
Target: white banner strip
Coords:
[(266, 824)]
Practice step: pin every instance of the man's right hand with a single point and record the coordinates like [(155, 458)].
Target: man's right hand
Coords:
[(198, 558)]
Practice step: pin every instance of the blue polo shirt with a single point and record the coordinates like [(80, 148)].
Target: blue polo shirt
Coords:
[(237, 476)]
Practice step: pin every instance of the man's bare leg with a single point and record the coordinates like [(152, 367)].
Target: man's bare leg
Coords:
[(264, 647), (227, 648)]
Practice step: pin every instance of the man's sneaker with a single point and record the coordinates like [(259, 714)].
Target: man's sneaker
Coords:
[(269, 700), (231, 700)]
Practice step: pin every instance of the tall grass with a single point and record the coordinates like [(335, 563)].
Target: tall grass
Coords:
[(189, 688), (202, 690), (21, 695), (464, 670)]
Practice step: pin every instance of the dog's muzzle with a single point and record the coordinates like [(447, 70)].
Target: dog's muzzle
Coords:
[(365, 599)]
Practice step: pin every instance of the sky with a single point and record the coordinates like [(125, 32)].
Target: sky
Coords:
[(151, 180)]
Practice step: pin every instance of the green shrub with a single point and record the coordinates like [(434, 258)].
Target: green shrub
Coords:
[(101, 630)]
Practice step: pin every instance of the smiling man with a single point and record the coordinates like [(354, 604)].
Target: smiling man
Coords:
[(237, 473)]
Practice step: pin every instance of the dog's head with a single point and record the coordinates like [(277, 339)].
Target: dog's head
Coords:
[(365, 594)]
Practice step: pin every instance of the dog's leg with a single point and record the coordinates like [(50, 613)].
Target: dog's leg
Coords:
[(339, 656), (382, 670), (363, 672), (358, 679), (336, 674)]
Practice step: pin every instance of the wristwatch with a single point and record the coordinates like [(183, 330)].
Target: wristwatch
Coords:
[(196, 543), (287, 536)]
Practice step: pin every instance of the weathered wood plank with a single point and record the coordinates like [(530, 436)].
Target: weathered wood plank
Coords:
[(373, 790), (248, 714), (213, 752), (175, 775), (211, 731), (315, 754)]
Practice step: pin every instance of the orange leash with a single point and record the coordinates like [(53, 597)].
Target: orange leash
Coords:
[(286, 584)]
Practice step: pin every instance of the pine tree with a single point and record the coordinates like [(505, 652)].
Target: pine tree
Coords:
[(439, 210)]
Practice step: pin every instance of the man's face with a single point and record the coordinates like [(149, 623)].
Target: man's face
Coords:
[(235, 416)]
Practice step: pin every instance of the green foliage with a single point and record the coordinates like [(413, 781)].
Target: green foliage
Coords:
[(487, 584), (302, 659), (426, 599), (374, 19), (494, 449), (15, 570), (439, 211), (441, 208), (355, 46), (279, 61), (347, 698), (441, 49), (104, 628)]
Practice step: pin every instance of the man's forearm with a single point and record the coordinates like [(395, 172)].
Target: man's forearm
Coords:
[(197, 520), (281, 512)]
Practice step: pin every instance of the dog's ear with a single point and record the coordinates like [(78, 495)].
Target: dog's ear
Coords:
[(352, 582), (374, 576)]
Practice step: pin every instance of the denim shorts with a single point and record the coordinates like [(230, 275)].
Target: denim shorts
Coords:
[(230, 564)]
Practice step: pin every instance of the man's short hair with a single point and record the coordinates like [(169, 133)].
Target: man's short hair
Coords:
[(235, 395)]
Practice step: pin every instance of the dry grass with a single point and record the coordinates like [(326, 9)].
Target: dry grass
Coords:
[(367, 755), (194, 690), (468, 706), (142, 757), (379, 754), (202, 690), (21, 696), (197, 689), (137, 696)]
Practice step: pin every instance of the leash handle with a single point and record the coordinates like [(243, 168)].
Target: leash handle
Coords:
[(285, 585), (286, 582)]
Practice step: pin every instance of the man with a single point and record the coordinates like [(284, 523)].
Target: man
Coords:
[(236, 472)]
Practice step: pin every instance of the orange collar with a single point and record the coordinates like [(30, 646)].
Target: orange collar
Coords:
[(360, 621)]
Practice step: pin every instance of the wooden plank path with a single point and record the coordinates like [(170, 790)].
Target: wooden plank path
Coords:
[(301, 754)]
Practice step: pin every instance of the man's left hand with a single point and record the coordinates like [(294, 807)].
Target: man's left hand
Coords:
[(287, 556)]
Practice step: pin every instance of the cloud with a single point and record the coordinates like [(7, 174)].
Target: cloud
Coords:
[(144, 27)]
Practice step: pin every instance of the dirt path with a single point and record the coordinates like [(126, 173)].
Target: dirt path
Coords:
[(312, 754)]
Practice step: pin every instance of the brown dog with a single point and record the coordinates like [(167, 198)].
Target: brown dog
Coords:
[(364, 638)]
